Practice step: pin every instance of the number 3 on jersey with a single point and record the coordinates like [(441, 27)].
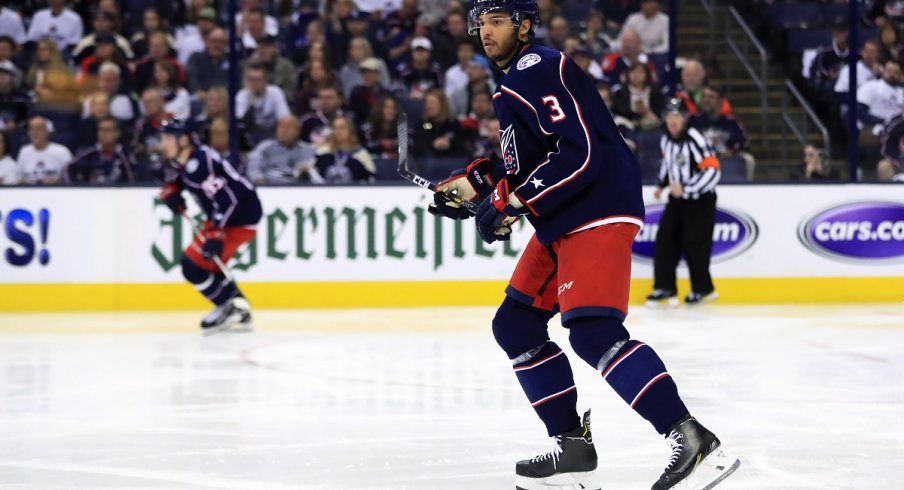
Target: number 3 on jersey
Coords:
[(555, 110)]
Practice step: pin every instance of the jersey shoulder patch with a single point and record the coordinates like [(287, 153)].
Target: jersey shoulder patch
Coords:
[(192, 165), (528, 61)]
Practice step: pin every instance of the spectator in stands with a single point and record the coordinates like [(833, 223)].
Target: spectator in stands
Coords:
[(122, 105), (104, 52), (280, 71), (360, 49), (259, 104), (480, 110), (456, 76), (557, 32), (889, 43), (617, 11), (315, 76), (693, 81), (651, 25), (879, 102), (584, 59), (105, 162), (9, 169), (315, 37), (216, 107), (337, 31), (479, 81), (209, 68), (868, 67), (638, 100), (726, 133), (364, 96), (595, 36), (548, 9), (889, 167), (8, 52), (11, 24), (448, 41), (42, 161), (615, 65), (166, 81), (421, 74), (218, 139), (104, 25), (381, 130), (830, 59), (281, 160), (158, 50), (15, 104), (815, 167), (342, 159), (146, 134), (151, 23), (357, 25), (399, 31), (191, 37), (438, 135), (487, 146), (316, 125), (58, 23), (254, 24), (51, 81), (625, 126)]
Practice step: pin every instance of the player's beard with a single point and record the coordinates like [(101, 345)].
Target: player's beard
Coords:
[(505, 50)]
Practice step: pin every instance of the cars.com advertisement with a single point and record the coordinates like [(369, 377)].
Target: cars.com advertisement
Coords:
[(25, 234), (860, 232)]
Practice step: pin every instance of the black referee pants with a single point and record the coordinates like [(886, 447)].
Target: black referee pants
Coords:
[(686, 228)]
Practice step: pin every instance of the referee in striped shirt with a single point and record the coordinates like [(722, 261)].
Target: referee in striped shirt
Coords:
[(690, 171)]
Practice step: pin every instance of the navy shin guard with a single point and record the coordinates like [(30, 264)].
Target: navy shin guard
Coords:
[(632, 369), (540, 365)]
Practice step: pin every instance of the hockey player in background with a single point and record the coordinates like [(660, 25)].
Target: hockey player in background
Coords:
[(567, 170), (233, 210)]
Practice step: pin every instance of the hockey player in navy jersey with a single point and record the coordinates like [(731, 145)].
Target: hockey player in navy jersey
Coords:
[(233, 210), (568, 171)]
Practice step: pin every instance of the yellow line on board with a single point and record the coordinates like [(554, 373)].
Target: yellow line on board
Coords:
[(180, 296)]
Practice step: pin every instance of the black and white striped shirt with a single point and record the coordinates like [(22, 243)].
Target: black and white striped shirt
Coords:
[(690, 161)]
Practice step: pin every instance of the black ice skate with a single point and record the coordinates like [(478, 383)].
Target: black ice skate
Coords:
[(697, 461), (234, 316), (566, 466), (662, 298), (694, 299)]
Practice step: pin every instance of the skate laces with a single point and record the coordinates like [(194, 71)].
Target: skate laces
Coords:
[(676, 443), (551, 454)]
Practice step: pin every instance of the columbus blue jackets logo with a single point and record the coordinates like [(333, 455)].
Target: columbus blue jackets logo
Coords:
[(509, 150), (528, 61)]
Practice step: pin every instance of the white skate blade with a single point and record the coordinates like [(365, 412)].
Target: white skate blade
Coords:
[(665, 304), (231, 325), (714, 469), (563, 481)]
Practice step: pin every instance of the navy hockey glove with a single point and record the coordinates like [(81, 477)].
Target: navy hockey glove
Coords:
[(469, 183), (496, 215), (213, 243), (171, 195)]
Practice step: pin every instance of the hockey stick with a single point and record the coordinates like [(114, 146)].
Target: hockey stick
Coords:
[(216, 258), (407, 174)]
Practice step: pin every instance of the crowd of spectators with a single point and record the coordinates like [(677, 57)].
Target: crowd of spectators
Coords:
[(85, 85)]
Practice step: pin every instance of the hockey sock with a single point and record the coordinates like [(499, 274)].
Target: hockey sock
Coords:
[(548, 382), (539, 364), (632, 369), (214, 287)]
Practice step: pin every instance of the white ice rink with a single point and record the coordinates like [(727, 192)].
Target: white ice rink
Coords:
[(807, 397)]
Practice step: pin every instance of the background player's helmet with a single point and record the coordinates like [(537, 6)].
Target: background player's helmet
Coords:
[(519, 9), (175, 125), (675, 105)]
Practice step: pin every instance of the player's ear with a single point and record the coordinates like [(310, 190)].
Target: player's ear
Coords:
[(524, 29)]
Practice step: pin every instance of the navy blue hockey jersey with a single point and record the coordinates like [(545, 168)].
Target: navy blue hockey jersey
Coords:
[(226, 197), (562, 151)]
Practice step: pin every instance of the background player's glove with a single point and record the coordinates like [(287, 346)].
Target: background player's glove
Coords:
[(171, 195), (213, 243), (497, 214), (469, 183)]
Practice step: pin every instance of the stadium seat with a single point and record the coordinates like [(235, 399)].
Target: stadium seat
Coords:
[(797, 16), (734, 170), (387, 170), (803, 39)]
